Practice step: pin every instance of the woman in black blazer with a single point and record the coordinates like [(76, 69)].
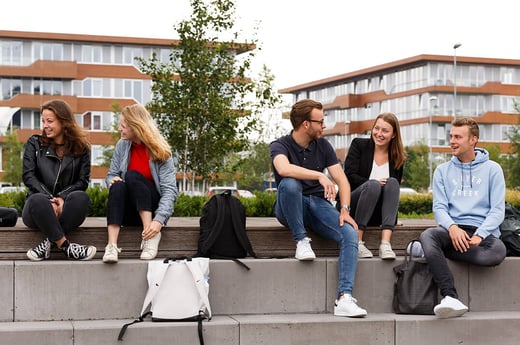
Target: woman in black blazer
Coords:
[(374, 167)]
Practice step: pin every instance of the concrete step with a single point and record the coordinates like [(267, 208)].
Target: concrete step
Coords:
[(475, 328), (179, 238), (66, 290)]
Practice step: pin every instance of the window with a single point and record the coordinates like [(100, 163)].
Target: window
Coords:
[(11, 53), (47, 51), (91, 121), (91, 54)]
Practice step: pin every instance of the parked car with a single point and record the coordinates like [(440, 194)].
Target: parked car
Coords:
[(219, 189), (245, 193), (408, 191), (12, 189), (270, 190)]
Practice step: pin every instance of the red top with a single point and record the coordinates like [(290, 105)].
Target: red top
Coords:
[(139, 161)]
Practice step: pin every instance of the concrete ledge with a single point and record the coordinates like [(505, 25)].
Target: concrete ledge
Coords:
[(475, 328), (43, 290)]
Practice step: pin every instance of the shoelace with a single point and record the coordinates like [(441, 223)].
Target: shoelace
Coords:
[(77, 251), (41, 248), (112, 250), (146, 245)]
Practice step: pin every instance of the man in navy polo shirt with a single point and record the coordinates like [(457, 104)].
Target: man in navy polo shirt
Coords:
[(305, 195)]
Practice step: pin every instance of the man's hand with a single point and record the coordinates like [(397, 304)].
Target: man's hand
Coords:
[(344, 216), (459, 238), (329, 188), (475, 240)]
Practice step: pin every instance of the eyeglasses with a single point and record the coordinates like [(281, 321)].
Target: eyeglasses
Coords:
[(321, 122)]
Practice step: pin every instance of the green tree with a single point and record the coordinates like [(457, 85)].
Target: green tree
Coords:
[(512, 160), (203, 100), (108, 150), (416, 172), (13, 163)]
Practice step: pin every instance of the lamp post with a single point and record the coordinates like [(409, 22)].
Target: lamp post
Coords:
[(455, 78), (430, 156)]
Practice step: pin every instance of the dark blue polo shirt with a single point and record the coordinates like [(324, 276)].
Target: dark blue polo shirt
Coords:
[(317, 156)]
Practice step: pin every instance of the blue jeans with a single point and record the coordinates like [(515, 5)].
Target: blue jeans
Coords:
[(437, 246), (297, 212)]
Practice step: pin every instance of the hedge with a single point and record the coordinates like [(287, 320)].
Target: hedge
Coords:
[(419, 205)]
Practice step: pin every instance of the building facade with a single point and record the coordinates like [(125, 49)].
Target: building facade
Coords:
[(92, 73), (425, 92)]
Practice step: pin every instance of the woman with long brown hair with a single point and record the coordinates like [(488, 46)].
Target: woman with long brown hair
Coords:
[(56, 171), (374, 168)]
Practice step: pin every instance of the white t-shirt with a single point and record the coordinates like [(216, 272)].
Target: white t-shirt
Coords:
[(379, 171)]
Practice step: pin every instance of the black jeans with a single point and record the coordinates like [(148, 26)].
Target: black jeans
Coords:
[(38, 213), (373, 202), (126, 199), (437, 247)]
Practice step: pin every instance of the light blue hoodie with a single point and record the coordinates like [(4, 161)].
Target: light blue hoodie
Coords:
[(470, 194)]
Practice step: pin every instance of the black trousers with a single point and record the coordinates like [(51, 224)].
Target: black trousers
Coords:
[(38, 213), (126, 198)]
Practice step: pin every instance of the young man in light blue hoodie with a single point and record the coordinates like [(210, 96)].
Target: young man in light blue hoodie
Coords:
[(468, 204)]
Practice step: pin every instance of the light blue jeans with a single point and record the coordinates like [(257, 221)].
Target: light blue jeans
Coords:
[(297, 212)]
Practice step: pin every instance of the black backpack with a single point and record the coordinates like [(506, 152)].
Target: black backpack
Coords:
[(510, 230), (8, 216), (223, 229)]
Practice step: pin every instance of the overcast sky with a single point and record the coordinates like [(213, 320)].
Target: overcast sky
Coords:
[(302, 40)]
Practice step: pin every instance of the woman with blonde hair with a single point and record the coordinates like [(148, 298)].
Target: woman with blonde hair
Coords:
[(374, 168), (142, 183)]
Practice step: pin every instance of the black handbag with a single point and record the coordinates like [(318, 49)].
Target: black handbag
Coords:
[(415, 292)]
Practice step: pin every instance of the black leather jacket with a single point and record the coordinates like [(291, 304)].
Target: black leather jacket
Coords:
[(44, 172)]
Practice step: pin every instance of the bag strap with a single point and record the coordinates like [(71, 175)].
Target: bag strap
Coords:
[(216, 228), (199, 280), (237, 224)]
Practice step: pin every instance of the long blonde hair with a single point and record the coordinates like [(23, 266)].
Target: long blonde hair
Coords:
[(141, 122)]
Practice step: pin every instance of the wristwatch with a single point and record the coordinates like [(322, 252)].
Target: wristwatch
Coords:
[(346, 207)]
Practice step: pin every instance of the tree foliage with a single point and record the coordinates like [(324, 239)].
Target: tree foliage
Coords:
[(512, 161), (13, 163), (416, 172), (200, 96)]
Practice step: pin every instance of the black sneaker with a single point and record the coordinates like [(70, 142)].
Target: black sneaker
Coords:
[(81, 252), (41, 251)]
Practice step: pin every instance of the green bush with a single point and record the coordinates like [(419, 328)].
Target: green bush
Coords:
[(410, 206)]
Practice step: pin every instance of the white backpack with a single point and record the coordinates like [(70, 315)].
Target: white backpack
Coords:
[(178, 290)]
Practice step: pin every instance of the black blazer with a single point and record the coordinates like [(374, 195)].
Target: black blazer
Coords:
[(359, 161), (358, 166)]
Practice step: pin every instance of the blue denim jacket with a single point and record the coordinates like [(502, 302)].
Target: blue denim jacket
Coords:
[(163, 173)]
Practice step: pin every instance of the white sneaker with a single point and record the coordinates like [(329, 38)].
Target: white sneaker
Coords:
[(150, 247), (304, 250), (347, 306), (362, 251), (386, 252), (111, 253), (449, 307)]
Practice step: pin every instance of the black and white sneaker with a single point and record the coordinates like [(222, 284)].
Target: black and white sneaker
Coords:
[(41, 252), (81, 252)]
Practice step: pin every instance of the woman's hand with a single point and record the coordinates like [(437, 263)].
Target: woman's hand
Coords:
[(151, 230), (57, 205), (115, 179)]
